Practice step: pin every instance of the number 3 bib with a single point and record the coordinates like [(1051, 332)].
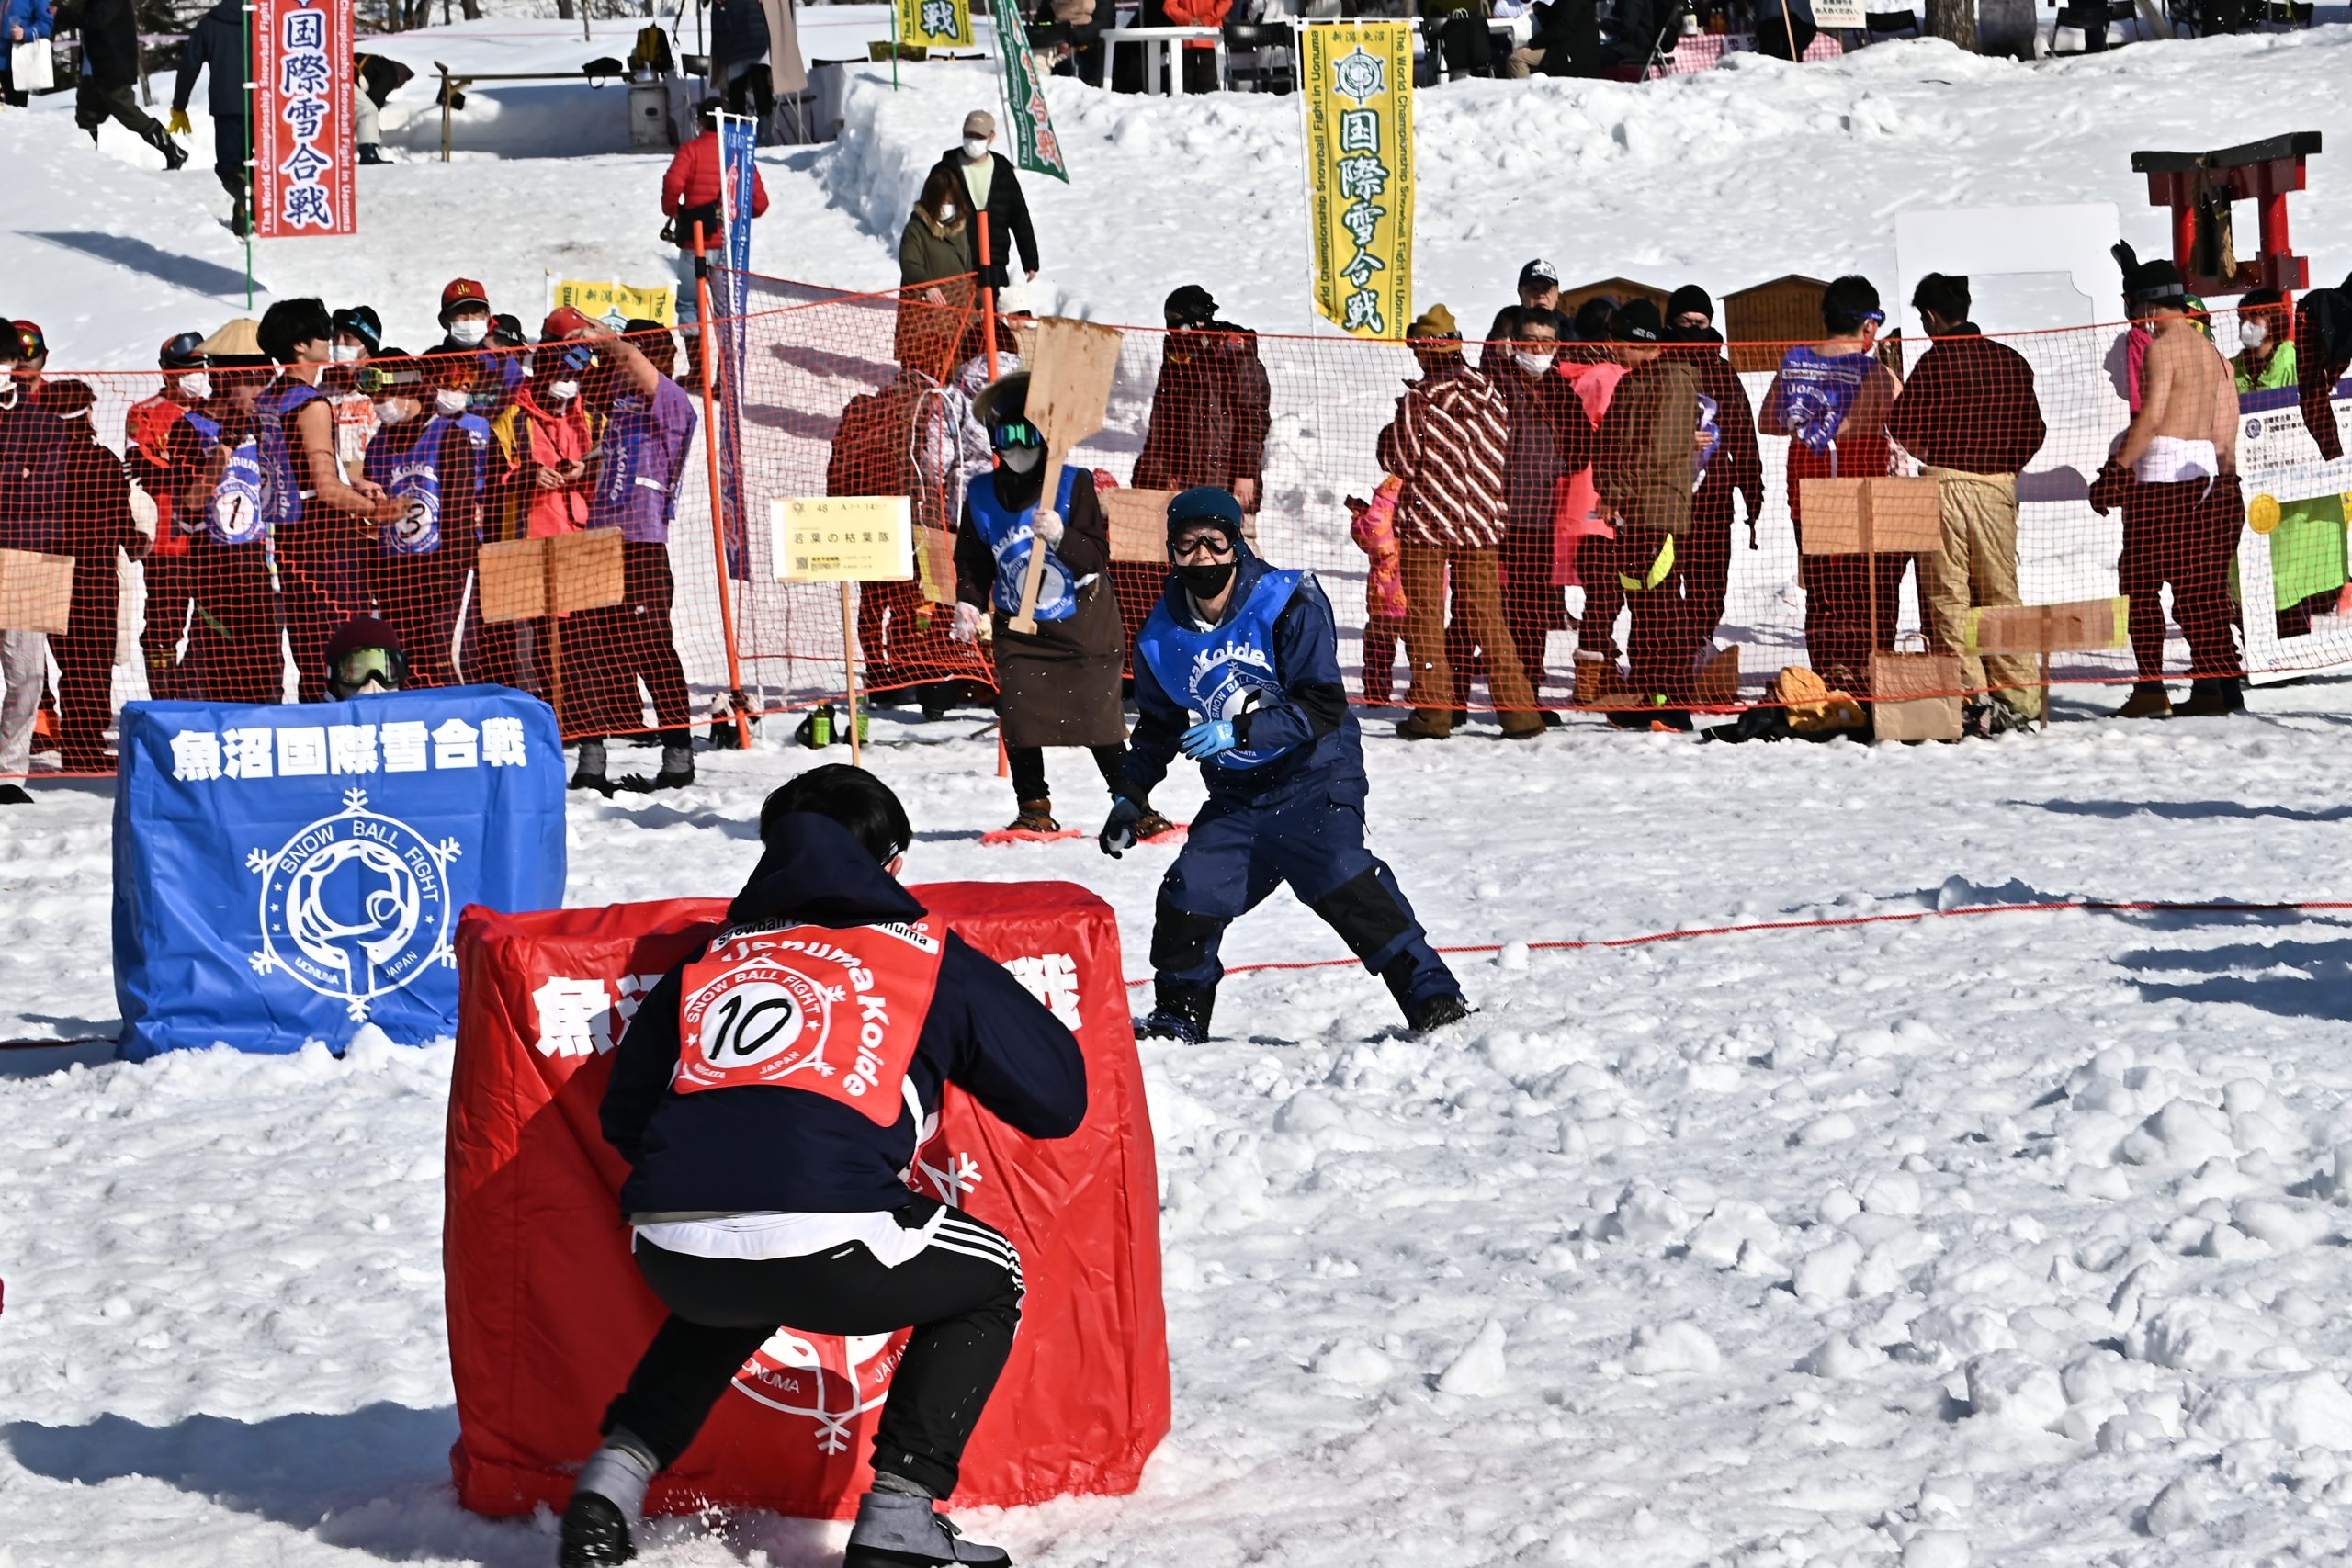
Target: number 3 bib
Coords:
[(835, 1012)]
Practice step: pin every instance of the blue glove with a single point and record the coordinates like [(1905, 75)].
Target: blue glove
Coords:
[(1119, 831), (1209, 739)]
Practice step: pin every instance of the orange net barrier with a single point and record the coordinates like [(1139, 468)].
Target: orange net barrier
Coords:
[(1606, 529)]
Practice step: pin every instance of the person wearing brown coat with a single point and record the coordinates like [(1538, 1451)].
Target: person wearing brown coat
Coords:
[(1644, 467), (1059, 685), (85, 484), (1733, 468), (1211, 408)]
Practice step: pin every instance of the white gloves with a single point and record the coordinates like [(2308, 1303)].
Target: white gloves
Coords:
[(1048, 528), (967, 623)]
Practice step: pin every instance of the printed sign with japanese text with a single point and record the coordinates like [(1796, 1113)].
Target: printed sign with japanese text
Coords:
[(302, 90), (843, 538), (1358, 107)]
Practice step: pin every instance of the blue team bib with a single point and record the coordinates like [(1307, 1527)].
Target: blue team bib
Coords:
[(1010, 538), (1223, 671)]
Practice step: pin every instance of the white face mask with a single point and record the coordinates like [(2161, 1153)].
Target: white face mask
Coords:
[(196, 385), (391, 411), (563, 392), (976, 148), (2253, 333), (347, 353), (451, 402), (1021, 459), (1535, 364), (467, 331), (948, 213)]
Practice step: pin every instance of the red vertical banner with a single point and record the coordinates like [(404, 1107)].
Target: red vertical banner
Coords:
[(302, 87)]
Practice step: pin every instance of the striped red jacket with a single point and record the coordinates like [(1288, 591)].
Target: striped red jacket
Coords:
[(1447, 444)]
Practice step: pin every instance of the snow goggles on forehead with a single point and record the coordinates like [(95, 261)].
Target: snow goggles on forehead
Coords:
[(1875, 318), (578, 357), (1017, 433)]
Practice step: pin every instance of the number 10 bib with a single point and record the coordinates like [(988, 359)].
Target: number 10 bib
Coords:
[(835, 1012)]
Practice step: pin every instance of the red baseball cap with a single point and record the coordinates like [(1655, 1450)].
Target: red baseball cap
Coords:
[(462, 291), (562, 323)]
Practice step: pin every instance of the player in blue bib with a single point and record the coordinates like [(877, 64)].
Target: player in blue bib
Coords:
[(1238, 669)]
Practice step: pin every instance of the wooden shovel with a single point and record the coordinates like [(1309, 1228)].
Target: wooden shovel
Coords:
[(1069, 392)]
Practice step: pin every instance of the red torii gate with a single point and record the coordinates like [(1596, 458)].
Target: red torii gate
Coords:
[(2199, 187)]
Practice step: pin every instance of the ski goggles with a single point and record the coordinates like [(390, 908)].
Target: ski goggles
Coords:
[(579, 358), (382, 668), (376, 377), (1017, 433), (1213, 542)]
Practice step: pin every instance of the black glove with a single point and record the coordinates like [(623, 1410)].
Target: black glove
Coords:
[(2108, 490), (1119, 830)]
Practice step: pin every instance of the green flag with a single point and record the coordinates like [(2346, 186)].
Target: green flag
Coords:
[(1034, 146)]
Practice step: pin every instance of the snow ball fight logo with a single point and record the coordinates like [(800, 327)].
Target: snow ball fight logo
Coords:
[(1360, 76), (1228, 680), (823, 1379), (355, 906), (757, 1017)]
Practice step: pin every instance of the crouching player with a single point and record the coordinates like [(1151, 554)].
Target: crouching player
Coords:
[(764, 1197), (1239, 668)]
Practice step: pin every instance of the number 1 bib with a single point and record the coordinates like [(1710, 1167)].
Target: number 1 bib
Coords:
[(834, 1012)]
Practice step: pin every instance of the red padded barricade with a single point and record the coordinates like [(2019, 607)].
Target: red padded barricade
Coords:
[(548, 1313)]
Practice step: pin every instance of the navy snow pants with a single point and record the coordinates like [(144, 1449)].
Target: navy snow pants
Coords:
[(1236, 854)]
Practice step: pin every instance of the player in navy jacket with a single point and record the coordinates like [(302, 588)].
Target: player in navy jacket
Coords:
[(1238, 669), (769, 1097)]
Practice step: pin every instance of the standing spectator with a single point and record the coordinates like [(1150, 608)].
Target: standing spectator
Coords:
[(1539, 288), (215, 455), (170, 564), (1199, 55), (739, 51), (1565, 42), (1211, 411), (1584, 543), (1970, 415), (995, 189), (429, 454), (1077, 24), (84, 481), (547, 440), (319, 524), (1058, 686), (28, 434), (691, 191), (649, 428), (937, 241), (32, 344), (465, 314), (1373, 526), (1549, 439), (467, 325), (1463, 47), (217, 43), (2266, 360), (2175, 471), (25, 21), (1832, 399), (1448, 444), (358, 335), (1645, 469), (1729, 465), (110, 78)]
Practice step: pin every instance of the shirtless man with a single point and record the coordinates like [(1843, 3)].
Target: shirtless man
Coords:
[(2175, 472)]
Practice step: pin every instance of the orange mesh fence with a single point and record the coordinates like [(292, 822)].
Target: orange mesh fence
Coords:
[(1509, 525)]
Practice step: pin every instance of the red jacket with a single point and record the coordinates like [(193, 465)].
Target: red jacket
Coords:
[(693, 182)]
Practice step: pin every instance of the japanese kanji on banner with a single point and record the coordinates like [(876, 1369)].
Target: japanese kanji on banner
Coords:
[(1359, 109), (1034, 146), (302, 86), (290, 873), (935, 24), (547, 1312), (615, 304)]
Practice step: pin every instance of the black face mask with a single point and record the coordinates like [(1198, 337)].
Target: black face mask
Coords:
[(1206, 581)]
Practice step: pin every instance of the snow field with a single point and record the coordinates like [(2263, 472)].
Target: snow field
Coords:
[(2004, 1239)]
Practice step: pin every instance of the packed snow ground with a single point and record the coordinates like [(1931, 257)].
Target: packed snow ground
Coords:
[(2004, 1239)]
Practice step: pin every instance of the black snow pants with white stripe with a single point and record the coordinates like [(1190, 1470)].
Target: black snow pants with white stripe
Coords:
[(961, 1294)]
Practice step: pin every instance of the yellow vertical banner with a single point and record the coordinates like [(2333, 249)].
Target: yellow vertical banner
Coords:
[(935, 24), (1358, 100)]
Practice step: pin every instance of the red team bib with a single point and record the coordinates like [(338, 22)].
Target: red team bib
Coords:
[(836, 1012)]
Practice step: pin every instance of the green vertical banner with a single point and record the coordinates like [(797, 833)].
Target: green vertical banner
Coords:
[(1034, 146), (1357, 82)]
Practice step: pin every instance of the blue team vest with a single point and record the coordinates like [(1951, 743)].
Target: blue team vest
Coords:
[(1008, 536), (234, 518), (1223, 671), (281, 481), (1816, 393), (413, 474)]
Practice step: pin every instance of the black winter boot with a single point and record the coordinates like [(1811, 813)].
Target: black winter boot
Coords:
[(1179, 1012), (174, 155)]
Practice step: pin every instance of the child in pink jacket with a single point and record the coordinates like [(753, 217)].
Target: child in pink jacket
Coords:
[(1374, 528)]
